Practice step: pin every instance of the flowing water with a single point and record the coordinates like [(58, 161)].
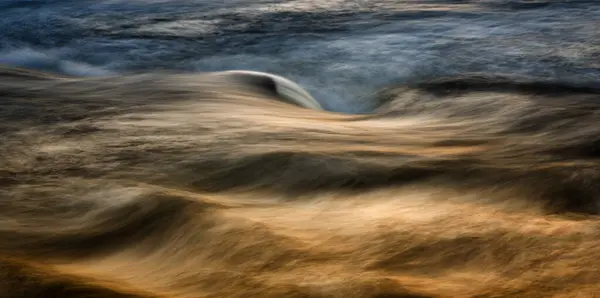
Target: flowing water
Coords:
[(124, 182), (340, 50)]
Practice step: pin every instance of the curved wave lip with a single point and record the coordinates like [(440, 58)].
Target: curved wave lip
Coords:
[(286, 89)]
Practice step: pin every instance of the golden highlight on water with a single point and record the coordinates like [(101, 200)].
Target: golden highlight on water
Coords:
[(238, 184)]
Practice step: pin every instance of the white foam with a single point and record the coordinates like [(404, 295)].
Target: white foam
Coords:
[(49, 60)]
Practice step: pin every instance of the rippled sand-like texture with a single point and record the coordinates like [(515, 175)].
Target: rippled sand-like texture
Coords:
[(206, 185)]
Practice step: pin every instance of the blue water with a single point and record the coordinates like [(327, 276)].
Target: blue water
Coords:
[(341, 51)]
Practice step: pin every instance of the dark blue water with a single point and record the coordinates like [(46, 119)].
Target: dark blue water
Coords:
[(340, 50)]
